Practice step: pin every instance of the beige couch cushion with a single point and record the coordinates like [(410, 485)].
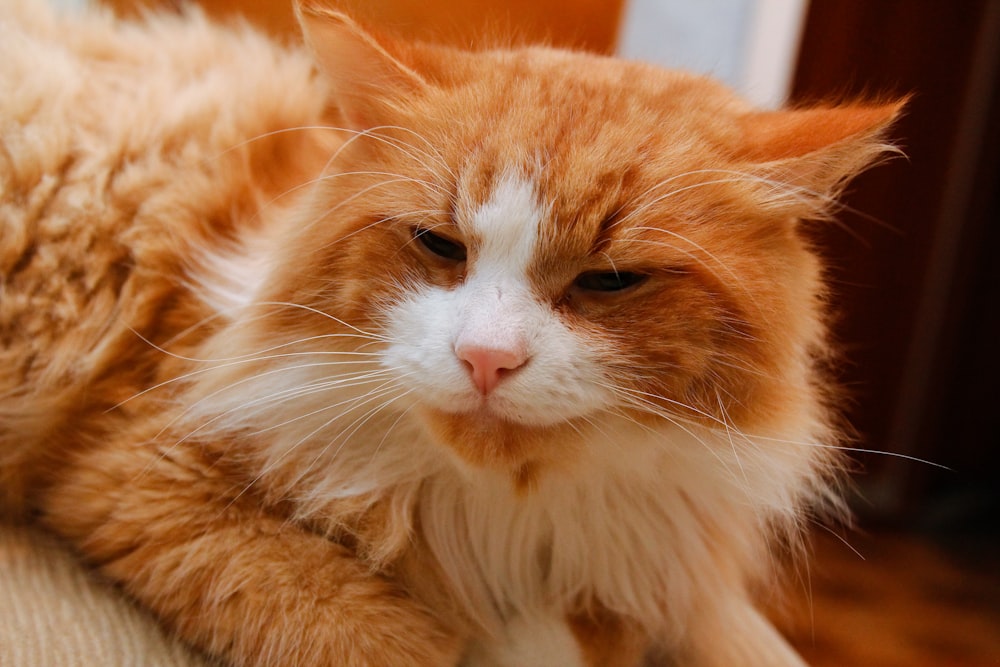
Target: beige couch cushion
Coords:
[(55, 612)]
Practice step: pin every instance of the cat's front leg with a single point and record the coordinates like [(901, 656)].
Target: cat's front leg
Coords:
[(537, 641), (554, 640), (737, 633), (228, 578)]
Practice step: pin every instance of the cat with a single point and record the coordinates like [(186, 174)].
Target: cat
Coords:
[(382, 353)]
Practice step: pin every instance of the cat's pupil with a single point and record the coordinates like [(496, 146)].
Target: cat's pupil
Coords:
[(439, 245), (608, 281)]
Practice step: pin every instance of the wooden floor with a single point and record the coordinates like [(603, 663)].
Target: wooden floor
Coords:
[(891, 600)]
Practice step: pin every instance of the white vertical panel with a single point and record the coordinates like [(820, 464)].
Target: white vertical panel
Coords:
[(707, 36), (772, 49), (750, 44)]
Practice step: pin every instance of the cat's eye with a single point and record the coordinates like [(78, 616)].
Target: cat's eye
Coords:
[(608, 281), (439, 245)]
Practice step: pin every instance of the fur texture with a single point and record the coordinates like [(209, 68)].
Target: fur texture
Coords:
[(419, 356)]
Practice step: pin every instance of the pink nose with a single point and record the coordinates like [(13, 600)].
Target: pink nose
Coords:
[(488, 366)]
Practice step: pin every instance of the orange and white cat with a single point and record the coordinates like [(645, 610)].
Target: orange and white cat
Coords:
[(381, 353)]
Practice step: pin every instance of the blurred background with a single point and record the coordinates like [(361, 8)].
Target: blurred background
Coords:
[(917, 285)]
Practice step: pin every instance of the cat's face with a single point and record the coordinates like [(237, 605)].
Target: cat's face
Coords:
[(540, 237)]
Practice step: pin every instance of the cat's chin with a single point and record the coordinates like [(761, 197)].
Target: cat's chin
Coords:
[(486, 439), (500, 410)]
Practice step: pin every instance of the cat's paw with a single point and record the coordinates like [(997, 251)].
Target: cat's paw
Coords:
[(293, 599), (363, 623)]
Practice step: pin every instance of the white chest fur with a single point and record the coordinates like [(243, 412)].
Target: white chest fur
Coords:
[(621, 531)]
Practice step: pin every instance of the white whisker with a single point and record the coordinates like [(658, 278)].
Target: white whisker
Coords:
[(237, 361), (642, 400), (226, 413), (316, 388), (386, 389)]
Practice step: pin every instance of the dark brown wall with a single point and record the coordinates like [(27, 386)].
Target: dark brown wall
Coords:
[(916, 277)]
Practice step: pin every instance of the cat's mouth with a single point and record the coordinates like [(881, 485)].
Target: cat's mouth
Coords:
[(502, 411), (484, 437)]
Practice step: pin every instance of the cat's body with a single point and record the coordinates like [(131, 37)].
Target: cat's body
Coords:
[(522, 369)]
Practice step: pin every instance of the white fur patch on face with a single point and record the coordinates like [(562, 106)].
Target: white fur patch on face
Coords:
[(496, 308), (507, 229), (499, 313)]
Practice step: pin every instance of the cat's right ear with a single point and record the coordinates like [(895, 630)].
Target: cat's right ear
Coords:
[(366, 72)]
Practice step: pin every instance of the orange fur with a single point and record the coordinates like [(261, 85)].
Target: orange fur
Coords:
[(204, 282)]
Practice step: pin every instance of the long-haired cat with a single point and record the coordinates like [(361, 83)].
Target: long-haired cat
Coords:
[(382, 353)]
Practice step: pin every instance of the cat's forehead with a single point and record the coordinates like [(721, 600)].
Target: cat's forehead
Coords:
[(556, 99), (588, 133), (576, 151)]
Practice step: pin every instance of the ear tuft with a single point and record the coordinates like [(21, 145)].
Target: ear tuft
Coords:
[(368, 75), (809, 154), (776, 135)]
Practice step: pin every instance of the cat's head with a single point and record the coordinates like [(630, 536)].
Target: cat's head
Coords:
[(537, 237)]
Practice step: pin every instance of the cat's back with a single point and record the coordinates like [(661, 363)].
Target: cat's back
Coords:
[(125, 150)]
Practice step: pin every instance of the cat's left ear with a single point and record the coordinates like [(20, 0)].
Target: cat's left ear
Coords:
[(805, 156), (367, 73)]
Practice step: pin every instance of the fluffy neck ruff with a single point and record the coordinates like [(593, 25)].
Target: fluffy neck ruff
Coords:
[(645, 524)]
